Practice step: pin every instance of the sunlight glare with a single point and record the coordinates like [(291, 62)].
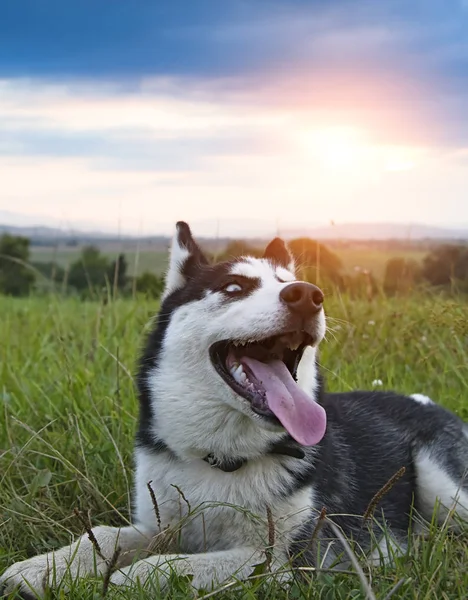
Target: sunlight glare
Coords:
[(399, 158), (337, 148)]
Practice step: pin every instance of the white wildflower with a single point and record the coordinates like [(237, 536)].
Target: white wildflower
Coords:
[(377, 383)]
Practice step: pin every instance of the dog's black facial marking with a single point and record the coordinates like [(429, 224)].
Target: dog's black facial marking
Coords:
[(215, 278), (278, 253), (237, 287)]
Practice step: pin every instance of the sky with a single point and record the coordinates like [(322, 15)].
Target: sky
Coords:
[(251, 114)]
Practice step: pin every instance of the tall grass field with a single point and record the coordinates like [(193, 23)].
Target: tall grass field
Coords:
[(68, 410)]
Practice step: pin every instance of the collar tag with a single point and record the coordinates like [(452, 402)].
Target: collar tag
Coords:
[(227, 465)]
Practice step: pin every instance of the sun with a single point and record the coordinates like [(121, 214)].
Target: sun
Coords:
[(337, 148)]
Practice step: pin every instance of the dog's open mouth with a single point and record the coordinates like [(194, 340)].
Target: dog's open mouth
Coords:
[(263, 372)]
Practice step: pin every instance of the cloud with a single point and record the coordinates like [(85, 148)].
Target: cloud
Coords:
[(150, 131), (171, 110), (84, 152), (126, 149), (396, 65)]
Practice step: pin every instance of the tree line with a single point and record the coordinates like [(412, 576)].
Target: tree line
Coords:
[(93, 274)]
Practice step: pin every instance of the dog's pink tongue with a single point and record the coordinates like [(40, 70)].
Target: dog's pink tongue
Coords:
[(304, 419)]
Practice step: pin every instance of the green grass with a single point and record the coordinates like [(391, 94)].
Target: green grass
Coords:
[(68, 412)]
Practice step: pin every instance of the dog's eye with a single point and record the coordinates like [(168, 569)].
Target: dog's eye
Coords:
[(233, 288)]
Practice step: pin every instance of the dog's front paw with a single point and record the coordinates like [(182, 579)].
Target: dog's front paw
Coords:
[(30, 577), (141, 573)]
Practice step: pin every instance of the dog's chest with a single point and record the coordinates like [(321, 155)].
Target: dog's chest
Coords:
[(219, 510)]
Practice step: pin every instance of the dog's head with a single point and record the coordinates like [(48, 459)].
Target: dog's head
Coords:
[(231, 364)]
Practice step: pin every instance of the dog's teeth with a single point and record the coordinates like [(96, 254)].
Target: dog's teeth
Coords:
[(233, 370), (238, 373)]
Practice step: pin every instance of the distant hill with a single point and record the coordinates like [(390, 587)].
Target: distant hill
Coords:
[(43, 231), (378, 231), (46, 236)]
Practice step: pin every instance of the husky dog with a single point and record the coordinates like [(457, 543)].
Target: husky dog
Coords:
[(240, 451)]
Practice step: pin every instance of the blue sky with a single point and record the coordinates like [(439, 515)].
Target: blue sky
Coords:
[(146, 112)]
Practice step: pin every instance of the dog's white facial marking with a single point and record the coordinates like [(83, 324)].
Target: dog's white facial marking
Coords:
[(259, 268), (284, 275), (262, 268), (244, 268)]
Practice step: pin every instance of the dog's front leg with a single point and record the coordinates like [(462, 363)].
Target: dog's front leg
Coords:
[(208, 569), (83, 557)]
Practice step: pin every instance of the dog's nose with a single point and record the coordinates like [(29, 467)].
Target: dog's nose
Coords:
[(303, 298)]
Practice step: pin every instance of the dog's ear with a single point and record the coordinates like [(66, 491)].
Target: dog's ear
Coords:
[(279, 253), (184, 260)]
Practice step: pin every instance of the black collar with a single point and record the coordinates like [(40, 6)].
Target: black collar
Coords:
[(286, 447)]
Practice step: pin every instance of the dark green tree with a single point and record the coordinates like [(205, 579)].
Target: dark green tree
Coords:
[(51, 270), (401, 275), (238, 248), (445, 265), (150, 285), (361, 284), (117, 274), (53, 276), (90, 272), (16, 277)]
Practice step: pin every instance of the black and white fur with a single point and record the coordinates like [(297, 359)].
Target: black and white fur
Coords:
[(188, 413)]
